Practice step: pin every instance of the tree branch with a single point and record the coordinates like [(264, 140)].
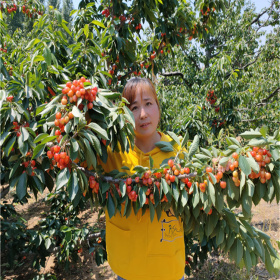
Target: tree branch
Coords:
[(270, 96), (254, 120), (116, 181), (261, 14), (172, 74), (245, 66)]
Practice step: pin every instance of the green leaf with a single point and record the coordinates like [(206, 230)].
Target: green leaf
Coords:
[(175, 191), (202, 157), (73, 185), (244, 165), (152, 210), (62, 178), (47, 55), (76, 112), (254, 165), (98, 130), (32, 43), (174, 137), (40, 137), (224, 161), (139, 169), (234, 141), (86, 30), (14, 169), (185, 139), (38, 150), (251, 188), (211, 222), (268, 262), (247, 259), (258, 248), (230, 217), (10, 145), (48, 139), (194, 146), (246, 203), (66, 28), (274, 152), (195, 198), (264, 130), (90, 156), (236, 251), (233, 191), (74, 148), (258, 142), (142, 197), (111, 206), (24, 133), (166, 189), (68, 236), (96, 22), (48, 243), (242, 181), (250, 134), (213, 178), (151, 162), (21, 188), (122, 188), (129, 116), (206, 152), (184, 197), (4, 136), (164, 146), (211, 191)]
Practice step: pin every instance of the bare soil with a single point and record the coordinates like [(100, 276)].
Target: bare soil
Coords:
[(266, 217)]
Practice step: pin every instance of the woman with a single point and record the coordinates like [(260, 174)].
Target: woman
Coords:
[(137, 248)]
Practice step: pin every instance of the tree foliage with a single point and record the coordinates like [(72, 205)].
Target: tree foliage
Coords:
[(211, 74)]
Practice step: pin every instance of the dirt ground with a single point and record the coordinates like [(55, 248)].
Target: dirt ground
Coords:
[(265, 216)]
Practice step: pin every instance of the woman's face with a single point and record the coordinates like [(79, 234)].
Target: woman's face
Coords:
[(146, 112)]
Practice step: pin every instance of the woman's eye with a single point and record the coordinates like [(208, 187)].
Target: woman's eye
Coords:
[(149, 103), (133, 108)]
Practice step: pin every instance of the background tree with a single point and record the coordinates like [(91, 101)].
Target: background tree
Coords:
[(106, 45), (67, 7), (227, 74), (54, 3)]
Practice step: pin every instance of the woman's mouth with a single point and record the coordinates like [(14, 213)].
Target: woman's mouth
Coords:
[(144, 125)]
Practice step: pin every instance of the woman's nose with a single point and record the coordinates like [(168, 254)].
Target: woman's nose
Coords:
[(143, 113)]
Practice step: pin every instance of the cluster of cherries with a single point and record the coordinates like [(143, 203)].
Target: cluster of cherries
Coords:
[(61, 159), (93, 184), (75, 90), (10, 98), (29, 11), (217, 122), (106, 13), (9, 9), (32, 164), (60, 122), (207, 11), (17, 127), (262, 156), (211, 97)]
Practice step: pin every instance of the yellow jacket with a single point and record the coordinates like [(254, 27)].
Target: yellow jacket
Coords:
[(137, 248)]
